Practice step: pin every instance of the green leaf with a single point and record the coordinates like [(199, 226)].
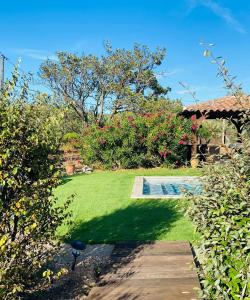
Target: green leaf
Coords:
[(207, 53)]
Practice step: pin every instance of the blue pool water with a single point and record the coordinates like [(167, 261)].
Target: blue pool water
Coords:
[(171, 188)]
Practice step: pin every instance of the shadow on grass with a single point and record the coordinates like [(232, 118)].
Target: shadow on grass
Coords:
[(144, 220), (135, 226), (64, 180)]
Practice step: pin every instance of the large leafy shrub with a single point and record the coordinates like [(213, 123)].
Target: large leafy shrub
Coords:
[(29, 143), (130, 141), (222, 217)]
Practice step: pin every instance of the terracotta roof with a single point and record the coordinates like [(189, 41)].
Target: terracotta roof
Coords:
[(226, 104)]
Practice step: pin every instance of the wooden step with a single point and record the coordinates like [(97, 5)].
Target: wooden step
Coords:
[(149, 271), (148, 289)]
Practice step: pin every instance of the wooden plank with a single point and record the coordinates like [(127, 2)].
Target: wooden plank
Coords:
[(158, 248), (172, 245), (151, 271), (156, 289), (163, 259)]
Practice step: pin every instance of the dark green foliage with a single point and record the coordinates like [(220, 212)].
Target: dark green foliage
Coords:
[(131, 141), (222, 217), (222, 214), (29, 144)]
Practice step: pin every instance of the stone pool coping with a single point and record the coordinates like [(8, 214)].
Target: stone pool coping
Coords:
[(137, 191)]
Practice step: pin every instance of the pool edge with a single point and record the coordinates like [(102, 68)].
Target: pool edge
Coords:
[(137, 191)]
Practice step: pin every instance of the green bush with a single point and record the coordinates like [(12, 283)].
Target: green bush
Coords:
[(29, 145), (131, 141), (222, 217), (71, 140)]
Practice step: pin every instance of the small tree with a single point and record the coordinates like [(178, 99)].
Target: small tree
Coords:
[(29, 146)]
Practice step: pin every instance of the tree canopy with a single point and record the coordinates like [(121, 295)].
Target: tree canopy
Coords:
[(119, 80)]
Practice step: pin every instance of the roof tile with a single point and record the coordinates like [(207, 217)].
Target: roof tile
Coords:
[(227, 103)]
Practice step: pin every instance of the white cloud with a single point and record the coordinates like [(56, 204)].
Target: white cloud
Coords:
[(200, 88), (222, 12), (164, 74), (35, 54)]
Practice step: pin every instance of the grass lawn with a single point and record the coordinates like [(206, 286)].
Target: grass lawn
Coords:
[(103, 211)]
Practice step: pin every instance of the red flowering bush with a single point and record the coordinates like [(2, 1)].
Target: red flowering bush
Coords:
[(131, 141)]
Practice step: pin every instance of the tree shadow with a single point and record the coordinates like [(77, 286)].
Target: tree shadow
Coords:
[(144, 220), (64, 180), (136, 226)]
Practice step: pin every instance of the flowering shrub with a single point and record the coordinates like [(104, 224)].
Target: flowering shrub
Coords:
[(131, 141)]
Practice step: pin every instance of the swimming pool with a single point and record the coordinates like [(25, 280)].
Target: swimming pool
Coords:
[(165, 186)]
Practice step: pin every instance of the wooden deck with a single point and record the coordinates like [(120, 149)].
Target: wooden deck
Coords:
[(155, 271)]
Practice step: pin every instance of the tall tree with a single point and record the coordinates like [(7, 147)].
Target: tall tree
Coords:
[(135, 80), (120, 80), (71, 78)]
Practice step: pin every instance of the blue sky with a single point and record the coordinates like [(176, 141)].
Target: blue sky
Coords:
[(35, 30)]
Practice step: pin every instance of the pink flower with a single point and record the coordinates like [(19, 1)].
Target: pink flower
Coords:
[(130, 118), (194, 127), (163, 153)]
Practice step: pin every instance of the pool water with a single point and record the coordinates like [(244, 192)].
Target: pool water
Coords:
[(171, 188)]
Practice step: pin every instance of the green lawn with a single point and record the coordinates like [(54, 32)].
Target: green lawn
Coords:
[(103, 211)]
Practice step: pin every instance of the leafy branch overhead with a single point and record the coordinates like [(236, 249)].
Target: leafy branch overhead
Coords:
[(119, 80)]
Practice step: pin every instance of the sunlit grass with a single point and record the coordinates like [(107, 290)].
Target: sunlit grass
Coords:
[(104, 212)]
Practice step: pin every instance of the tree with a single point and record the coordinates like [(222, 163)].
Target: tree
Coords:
[(29, 144), (134, 79), (162, 105), (119, 80), (71, 78)]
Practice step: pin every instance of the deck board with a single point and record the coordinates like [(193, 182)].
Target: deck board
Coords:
[(153, 271)]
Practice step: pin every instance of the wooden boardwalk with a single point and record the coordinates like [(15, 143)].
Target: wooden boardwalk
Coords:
[(155, 271)]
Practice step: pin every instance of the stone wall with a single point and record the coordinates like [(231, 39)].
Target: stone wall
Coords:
[(74, 157)]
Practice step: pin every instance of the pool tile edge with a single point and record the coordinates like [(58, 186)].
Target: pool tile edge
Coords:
[(137, 191)]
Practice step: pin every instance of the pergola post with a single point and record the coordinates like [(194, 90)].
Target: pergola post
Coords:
[(194, 146), (229, 107), (223, 133), (239, 127)]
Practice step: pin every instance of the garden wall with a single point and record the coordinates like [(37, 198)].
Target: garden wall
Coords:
[(74, 157)]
